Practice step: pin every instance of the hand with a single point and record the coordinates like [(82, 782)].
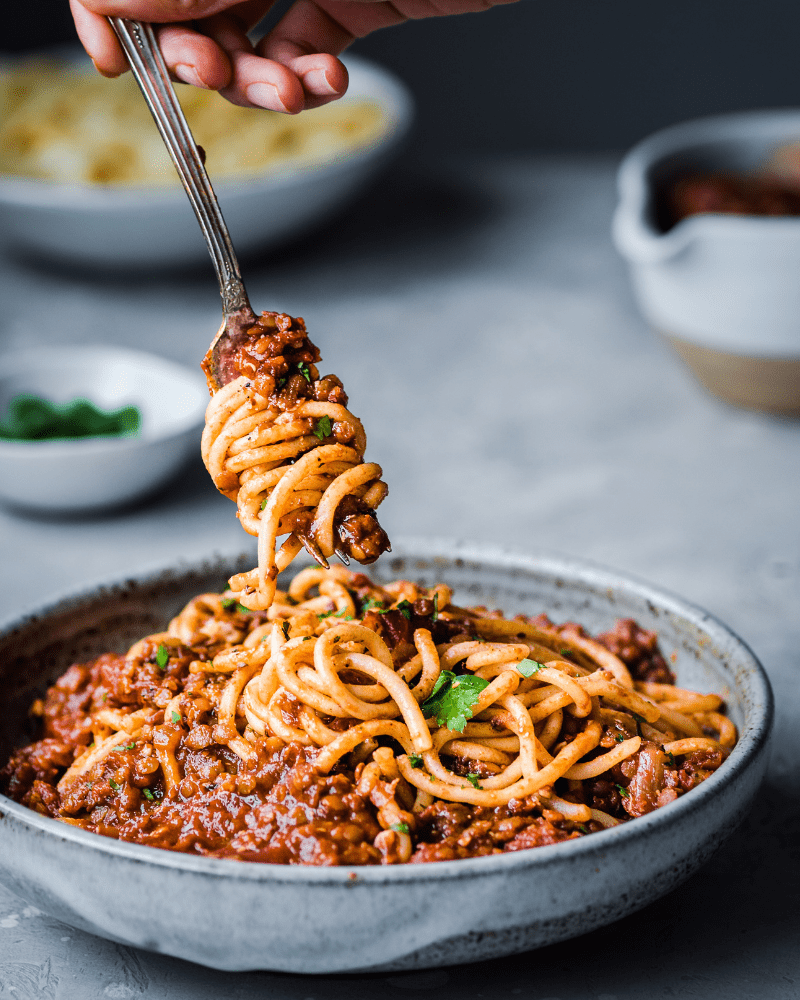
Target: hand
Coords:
[(294, 67)]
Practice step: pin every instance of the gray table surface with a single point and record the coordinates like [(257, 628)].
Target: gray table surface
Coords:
[(485, 331)]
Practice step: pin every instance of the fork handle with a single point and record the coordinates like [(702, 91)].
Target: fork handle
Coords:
[(147, 64)]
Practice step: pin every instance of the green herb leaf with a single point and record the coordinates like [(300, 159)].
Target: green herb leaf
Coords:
[(243, 610), (452, 699), (113, 784), (162, 657), (623, 791), (619, 738), (176, 718), (671, 759), (325, 614), (405, 608), (474, 779), (229, 602), (400, 827), (528, 667), (583, 828), (264, 503), (302, 367), (415, 760), (323, 428), (435, 614), (372, 604), (148, 794), (126, 746), (285, 630), (639, 718)]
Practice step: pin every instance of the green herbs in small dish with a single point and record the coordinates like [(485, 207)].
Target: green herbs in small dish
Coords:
[(31, 418)]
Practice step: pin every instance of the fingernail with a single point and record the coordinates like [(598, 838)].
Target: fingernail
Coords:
[(188, 74), (317, 82), (265, 96)]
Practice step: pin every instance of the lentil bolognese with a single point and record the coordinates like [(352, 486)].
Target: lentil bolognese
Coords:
[(356, 723)]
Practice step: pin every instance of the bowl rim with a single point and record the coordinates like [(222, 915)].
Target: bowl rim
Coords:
[(753, 740), (176, 425), (392, 94), (634, 232)]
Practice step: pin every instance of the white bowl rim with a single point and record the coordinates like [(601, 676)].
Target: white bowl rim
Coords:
[(752, 741), (42, 193), (175, 426)]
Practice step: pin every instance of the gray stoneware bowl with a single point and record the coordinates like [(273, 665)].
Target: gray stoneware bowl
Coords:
[(233, 915)]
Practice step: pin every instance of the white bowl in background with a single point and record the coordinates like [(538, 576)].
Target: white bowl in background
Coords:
[(723, 289), (147, 227), (93, 473)]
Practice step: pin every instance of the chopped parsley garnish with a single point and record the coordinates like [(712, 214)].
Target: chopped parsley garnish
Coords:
[(474, 779), (583, 828), (162, 657), (528, 667), (618, 738), (623, 791), (264, 504), (302, 367), (113, 784), (400, 827), (285, 630), (242, 609), (176, 718), (415, 760), (405, 608), (229, 602), (148, 794), (639, 718), (671, 759), (452, 699), (372, 604), (435, 614), (323, 428), (126, 746)]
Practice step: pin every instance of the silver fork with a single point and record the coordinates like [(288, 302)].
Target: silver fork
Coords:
[(148, 67)]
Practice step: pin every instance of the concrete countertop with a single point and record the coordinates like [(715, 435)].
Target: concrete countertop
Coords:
[(487, 337)]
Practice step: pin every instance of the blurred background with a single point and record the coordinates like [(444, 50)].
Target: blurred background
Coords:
[(557, 75)]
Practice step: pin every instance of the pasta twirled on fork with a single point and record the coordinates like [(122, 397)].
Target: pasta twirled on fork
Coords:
[(280, 441)]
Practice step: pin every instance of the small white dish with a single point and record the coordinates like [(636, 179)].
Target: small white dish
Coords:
[(723, 289), (150, 227), (95, 473)]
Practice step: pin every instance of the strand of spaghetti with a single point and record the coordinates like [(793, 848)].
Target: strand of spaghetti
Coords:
[(226, 710), (93, 756), (575, 811), (723, 725), (278, 725), (691, 745), (603, 818), (677, 720), (580, 772), (618, 695), (570, 754), (346, 482), (581, 700), (165, 742), (475, 751), (357, 734)]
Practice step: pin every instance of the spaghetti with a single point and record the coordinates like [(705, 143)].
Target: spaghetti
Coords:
[(280, 441), (353, 723)]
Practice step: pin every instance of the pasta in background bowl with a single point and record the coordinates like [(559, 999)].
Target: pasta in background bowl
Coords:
[(85, 177), (394, 916)]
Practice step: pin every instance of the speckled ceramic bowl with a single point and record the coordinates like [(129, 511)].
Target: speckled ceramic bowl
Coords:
[(231, 915)]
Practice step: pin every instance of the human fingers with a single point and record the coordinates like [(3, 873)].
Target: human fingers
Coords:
[(98, 38), (255, 81), (194, 58)]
